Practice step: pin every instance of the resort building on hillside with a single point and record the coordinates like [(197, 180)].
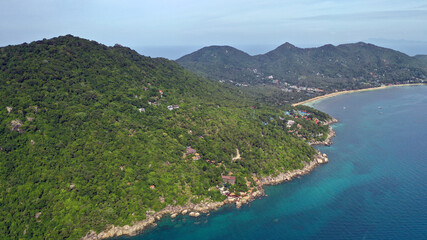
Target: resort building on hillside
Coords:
[(172, 107), (229, 179), (191, 150), (196, 156)]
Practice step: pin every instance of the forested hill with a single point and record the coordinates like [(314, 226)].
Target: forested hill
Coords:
[(92, 135), (347, 66), (422, 58), (212, 61)]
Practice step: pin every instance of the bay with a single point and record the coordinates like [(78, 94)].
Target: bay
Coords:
[(374, 187)]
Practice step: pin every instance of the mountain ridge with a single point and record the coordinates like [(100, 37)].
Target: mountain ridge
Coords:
[(345, 66)]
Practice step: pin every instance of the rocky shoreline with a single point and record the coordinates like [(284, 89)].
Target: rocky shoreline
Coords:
[(194, 210), (331, 134)]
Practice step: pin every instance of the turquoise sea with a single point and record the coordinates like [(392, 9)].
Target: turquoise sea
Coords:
[(374, 187)]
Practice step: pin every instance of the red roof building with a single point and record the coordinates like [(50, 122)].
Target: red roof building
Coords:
[(229, 179), (191, 150)]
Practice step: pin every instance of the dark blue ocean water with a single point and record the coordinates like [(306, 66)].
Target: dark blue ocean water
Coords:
[(374, 187)]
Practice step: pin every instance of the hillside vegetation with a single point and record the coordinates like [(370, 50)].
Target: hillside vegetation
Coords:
[(87, 138), (347, 66)]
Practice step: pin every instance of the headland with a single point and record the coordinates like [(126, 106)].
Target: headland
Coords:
[(195, 210)]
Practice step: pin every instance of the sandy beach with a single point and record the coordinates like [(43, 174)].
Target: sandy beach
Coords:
[(352, 91)]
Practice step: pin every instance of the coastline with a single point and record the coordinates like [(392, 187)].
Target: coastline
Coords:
[(352, 91), (331, 134), (194, 210)]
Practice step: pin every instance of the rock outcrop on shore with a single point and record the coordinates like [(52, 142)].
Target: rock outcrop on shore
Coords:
[(331, 134), (194, 214), (288, 176), (195, 210)]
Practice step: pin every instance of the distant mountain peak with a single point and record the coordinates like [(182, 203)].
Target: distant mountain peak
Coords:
[(220, 48), (358, 44), (286, 45), (328, 46), (362, 43), (283, 50), (216, 53)]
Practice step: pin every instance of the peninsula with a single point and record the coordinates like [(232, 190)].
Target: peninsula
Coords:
[(94, 136)]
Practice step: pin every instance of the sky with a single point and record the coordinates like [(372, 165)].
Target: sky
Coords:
[(172, 28)]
